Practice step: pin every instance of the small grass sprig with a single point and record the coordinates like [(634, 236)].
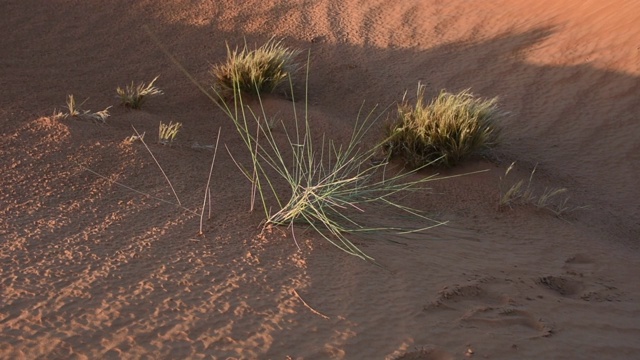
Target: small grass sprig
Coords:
[(74, 110), (254, 71), (133, 138), (443, 132), (168, 132), (133, 96), (100, 116)]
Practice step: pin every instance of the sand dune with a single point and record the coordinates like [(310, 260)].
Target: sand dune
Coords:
[(90, 269)]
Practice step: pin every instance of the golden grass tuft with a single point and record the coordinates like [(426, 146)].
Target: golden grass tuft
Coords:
[(444, 132)]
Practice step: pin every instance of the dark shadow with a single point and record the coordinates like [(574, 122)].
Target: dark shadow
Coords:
[(547, 103)]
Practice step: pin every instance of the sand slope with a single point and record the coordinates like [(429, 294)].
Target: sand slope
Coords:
[(89, 269)]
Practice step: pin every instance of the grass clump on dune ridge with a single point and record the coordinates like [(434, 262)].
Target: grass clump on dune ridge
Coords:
[(445, 131), (254, 71)]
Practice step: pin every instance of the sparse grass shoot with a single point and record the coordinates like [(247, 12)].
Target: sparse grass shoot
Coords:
[(74, 110), (522, 193), (133, 96), (254, 71), (444, 132)]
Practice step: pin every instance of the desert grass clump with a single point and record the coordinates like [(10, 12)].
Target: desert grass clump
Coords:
[(133, 96), (254, 71), (168, 132), (329, 185), (443, 132)]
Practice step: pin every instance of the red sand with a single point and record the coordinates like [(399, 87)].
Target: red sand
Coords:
[(91, 270)]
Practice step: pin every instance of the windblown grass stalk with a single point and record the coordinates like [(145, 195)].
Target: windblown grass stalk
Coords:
[(141, 138), (329, 184), (207, 193), (134, 190), (133, 96), (254, 71), (445, 131)]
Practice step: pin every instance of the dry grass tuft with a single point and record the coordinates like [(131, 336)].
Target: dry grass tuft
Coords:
[(444, 132), (254, 71)]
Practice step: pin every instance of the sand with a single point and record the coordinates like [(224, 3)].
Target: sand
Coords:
[(90, 269)]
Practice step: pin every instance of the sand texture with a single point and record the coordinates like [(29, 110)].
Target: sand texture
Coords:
[(92, 270)]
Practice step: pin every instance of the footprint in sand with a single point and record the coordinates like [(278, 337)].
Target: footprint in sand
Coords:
[(562, 286), (580, 281), (425, 353), (579, 265), (505, 316), (487, 303)]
